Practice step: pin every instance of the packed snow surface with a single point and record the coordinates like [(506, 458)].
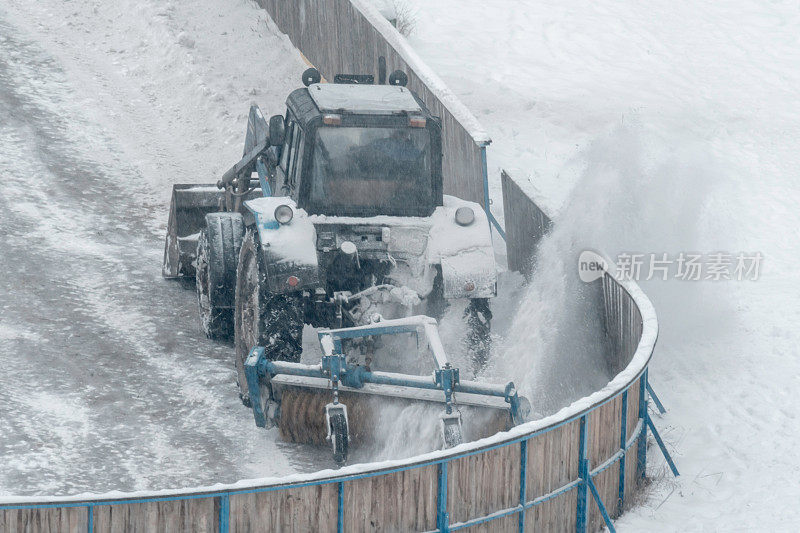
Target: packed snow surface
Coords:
[(107, 379), (660, 127)]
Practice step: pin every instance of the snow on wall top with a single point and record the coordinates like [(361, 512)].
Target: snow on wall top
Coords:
[(426, 75)]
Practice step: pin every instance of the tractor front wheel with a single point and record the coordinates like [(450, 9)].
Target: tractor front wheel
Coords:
[(479, 332), (274, 321)]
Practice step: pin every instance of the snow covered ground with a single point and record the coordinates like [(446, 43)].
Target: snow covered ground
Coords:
[(108, 381), (664, 127)]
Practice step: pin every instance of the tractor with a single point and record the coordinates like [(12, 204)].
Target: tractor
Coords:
[(334, 217)]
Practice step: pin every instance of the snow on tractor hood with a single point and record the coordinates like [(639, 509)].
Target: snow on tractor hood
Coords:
[(446, 237), (465, 253), (294, 242)]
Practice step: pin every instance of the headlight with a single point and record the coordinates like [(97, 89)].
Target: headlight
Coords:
[(465, 216), (283, 214)]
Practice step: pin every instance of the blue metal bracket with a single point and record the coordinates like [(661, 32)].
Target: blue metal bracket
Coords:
[(442, 516), (90, 519), (340, 508), (447, 378), (486, 202), (261, 168), (224, 513), (523, 482), (644, 387), (623, 439), (583, 473), (653, 395), (664, 451), (251, 367), (334, 366), (641, 447), (512, 398)]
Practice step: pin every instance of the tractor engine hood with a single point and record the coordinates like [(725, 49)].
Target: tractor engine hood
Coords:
[(417, 244)]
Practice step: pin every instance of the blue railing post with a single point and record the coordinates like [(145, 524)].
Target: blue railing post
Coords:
[(661, 445), (641, 448), (90, 518), (224, 513), (442, 518), (599, 501), (656, 401), (523, 482), (340, 508), (487, 206), (583, 473), (623, 440)]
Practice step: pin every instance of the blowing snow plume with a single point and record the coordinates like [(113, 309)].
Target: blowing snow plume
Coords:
[(631, 182)]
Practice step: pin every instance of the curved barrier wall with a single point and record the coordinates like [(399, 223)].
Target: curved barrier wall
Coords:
[(547, 474)]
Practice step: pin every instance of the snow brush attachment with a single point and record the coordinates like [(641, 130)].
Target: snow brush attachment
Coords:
[(339, 403)]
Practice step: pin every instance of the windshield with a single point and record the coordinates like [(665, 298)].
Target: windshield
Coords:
[(362, 171)]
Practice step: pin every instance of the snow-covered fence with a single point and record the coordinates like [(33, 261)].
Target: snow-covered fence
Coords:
[(350, 37)]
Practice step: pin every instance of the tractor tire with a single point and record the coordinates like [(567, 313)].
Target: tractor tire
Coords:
[(435, 303), (339, 438), (215, 279), (478, 317), (274, 321)]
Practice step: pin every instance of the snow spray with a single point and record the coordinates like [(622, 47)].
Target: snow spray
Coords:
[(636, 191)]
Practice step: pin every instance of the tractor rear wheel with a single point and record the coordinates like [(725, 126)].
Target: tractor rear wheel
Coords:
[(217, 322), (274, 321), (215, 272)]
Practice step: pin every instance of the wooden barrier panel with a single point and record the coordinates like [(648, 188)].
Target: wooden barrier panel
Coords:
[(525, 225), (312, 508), (481, 484), (52, 520), (337, 37), (552, 464), (401, 501), (165, 516)]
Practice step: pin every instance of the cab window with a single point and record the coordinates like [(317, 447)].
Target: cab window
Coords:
[(287, 147), (295, 159)]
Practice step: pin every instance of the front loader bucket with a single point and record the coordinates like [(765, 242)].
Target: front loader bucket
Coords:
[(188, 209)]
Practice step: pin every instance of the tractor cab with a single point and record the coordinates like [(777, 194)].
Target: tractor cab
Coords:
[(359, 150)]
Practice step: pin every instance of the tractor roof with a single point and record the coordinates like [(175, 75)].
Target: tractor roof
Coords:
[(364, 99)]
